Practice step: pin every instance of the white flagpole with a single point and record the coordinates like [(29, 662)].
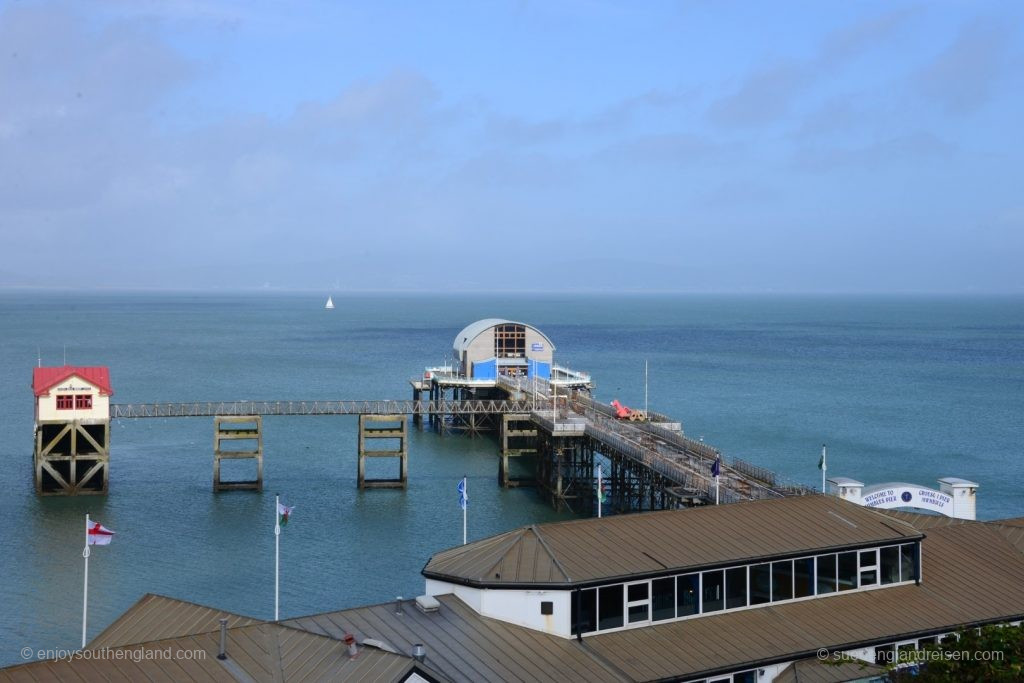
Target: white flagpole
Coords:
[(716, 489), (85, 590), (277, 555), (600, 491), (824, 467), (465, 493)]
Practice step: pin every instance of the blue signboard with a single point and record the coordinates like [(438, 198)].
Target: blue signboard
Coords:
[(536, 346)]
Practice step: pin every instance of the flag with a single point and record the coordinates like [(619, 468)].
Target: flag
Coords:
[(463, 498), (821, 460), (716, 466), (284, 513), (99, 534)]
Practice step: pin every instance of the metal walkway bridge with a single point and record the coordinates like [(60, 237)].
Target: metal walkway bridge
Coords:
[(265, 408)]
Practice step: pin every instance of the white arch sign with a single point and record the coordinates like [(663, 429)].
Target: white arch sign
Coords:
[(896, 495)]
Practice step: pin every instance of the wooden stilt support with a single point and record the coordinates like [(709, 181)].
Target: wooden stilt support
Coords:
[(72, 458), (241, 430), (383, 427), (518, 437)]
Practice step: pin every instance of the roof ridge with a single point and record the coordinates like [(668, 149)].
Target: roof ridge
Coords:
[(551, 554)]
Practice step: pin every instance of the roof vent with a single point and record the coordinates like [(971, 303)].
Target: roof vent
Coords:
[(419, 653), (222, 651), (427, 604), (353, 649), (398, 605)]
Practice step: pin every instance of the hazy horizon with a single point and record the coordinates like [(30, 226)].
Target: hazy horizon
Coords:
[(578, 146)]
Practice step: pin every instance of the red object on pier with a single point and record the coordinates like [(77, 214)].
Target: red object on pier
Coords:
[(44, 379)]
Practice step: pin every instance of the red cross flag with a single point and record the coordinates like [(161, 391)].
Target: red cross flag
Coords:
[(99, 534)]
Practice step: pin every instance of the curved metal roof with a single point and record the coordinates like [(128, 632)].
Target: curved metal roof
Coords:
[(473, 330)]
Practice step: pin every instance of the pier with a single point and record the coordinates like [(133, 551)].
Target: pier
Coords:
[(550, 432)]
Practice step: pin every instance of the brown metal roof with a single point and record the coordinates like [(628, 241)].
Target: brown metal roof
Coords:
[(813, 670), (259, 652), (971, 575), (464, 646), (634, 545), (156, 617)]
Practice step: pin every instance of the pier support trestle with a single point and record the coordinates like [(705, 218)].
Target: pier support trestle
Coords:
[(374, 427), (72, 457), (245, 436), (518, 438)]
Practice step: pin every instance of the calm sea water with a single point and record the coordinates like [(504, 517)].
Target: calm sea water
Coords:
[(905, 389)]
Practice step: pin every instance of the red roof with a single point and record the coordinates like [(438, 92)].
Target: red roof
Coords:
[(44, 379)]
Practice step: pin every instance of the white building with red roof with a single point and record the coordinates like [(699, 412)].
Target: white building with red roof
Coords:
[(72, 393)]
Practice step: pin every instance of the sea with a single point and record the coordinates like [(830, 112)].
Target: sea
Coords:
[(901, 388)]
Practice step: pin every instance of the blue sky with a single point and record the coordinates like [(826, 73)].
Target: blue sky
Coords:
[(579, 145)]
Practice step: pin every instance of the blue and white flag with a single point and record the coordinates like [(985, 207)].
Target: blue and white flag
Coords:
[(716, 466), (463, 498)]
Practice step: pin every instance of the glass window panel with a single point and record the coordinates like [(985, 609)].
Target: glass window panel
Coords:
[(736, 587), (610, 607), (663, 598), (712, 592), (826, 574), (638, 613), (803, 577), (585, 616), (925, 642), (744, 677), (636, 591), (868, 558), (907, 562), (885, 654), (782, 580), (687, 598), (847, 574), (890, 564), (869, 578), (760, 583)]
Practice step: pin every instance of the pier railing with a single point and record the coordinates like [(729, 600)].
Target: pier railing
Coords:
[(370, 407)]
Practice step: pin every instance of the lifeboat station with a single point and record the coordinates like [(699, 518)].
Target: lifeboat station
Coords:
[(752, 592)]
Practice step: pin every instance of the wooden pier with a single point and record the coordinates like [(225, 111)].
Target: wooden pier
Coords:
[(551, 432)]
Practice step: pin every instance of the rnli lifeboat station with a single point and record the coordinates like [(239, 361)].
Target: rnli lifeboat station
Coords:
[(754, 592)]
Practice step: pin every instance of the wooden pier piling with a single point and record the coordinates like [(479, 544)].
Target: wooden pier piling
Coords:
[(373, 427), (518, 438), (243, 430)]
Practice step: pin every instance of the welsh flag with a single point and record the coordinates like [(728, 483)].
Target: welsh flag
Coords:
[(284, 513), (98, 534)]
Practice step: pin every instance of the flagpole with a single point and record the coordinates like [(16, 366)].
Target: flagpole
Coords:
[(824, 467), (600, 491), (85, 590), (465, 492), (716, 489), (277, 554)]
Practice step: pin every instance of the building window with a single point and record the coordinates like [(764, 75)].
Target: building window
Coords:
[(826, 574), (510, 341), (65, 401), (885, 654), (638, 600), (610, 607), (712, 591), (847, 571), (890, 564), (736, 587), (83, 401), (760, 584), (584, 608), (687, 595), (803, 577), (547, 607), (663, 598), (782, 580), (868, 567), (907, 564)]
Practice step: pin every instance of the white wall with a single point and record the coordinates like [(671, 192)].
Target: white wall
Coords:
[(520, 607), (46, 405)]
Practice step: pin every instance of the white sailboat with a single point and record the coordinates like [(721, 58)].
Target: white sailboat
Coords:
[(330, 304)]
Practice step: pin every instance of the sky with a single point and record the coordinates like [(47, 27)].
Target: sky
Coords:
[(556, 145)]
